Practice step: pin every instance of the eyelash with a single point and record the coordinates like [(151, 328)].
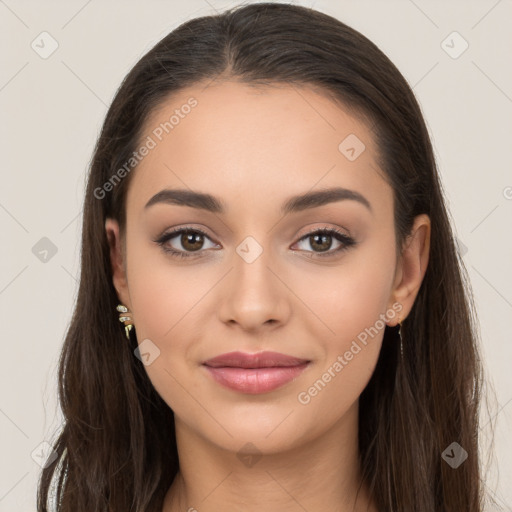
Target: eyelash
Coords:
[(346, 240)]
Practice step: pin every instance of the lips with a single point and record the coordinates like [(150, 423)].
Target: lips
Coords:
[(255, 373), (258, 360)]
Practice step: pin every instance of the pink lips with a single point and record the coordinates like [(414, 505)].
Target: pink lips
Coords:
[(255, 373)]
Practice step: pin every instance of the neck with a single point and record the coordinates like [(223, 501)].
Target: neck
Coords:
[(322, 474)]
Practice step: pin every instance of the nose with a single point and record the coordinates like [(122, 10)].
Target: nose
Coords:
[(253, 296)]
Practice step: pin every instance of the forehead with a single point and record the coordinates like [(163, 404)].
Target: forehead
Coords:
[(261, 142)]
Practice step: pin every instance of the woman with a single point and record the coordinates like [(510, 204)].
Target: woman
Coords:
[(264, 217)]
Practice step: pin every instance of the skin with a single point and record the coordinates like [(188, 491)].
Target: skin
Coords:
[(254, 148)]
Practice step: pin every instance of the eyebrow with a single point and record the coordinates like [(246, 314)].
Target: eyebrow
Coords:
[(203, 201)]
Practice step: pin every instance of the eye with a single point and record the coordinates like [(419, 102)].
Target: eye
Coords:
[(190, 239), (322, 240)]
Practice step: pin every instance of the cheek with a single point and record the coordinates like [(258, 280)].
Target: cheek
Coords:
[(163, 292), (170, 300), (351, 303), (350, 297), (164, 301)]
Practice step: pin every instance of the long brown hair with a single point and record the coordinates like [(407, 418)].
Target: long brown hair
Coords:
[(117, 449)]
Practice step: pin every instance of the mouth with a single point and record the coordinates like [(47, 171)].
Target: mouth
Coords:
[(258, 360), (255, 373)]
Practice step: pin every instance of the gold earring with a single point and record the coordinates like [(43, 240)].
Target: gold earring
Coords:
[(126, 318)]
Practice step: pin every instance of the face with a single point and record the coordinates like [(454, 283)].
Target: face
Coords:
[(251, 275)]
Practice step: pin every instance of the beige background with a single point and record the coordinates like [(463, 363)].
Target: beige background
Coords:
[(52, 109)]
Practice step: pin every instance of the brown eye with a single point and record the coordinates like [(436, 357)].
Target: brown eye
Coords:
[(182, 242), (321, 240), (192, 240)]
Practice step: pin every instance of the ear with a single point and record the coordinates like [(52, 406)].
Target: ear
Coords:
[(117, 261), (411, 267)]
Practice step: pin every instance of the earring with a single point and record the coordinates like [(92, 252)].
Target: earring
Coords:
[(400, 336), (125, 317)]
